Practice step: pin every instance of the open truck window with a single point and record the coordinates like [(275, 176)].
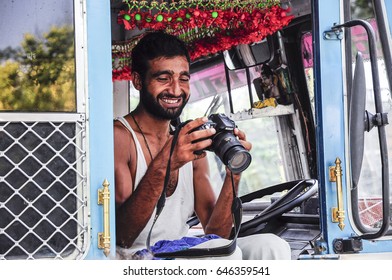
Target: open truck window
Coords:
[(38, 57)]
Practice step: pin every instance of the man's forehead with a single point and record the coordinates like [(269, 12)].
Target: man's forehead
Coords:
[(176, 62)]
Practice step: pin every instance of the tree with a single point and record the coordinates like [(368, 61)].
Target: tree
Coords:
[(362, 9), (39, 75)]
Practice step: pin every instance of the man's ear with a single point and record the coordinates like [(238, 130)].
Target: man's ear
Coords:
[(136, 80)]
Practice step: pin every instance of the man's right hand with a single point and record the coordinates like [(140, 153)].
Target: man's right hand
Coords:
[(191, 140)]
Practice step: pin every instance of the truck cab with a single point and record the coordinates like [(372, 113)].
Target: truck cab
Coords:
[(311, 90)]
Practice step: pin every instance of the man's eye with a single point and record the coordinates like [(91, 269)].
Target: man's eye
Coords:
[(184, 79), (163, 79)]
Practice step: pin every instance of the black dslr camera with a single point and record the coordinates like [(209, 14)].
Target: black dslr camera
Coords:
[(225, 144)]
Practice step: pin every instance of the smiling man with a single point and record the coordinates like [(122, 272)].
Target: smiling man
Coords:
[(142, 141)]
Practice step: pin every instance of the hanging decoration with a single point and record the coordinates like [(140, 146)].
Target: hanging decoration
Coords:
[(206, 26)]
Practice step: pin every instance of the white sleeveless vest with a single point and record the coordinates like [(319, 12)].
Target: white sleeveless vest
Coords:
[(179, 207)]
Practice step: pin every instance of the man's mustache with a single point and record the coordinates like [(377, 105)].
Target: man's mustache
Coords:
[(169, 95)]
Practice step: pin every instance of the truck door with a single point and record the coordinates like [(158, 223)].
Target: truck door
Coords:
[(355, 208), (55, 130)]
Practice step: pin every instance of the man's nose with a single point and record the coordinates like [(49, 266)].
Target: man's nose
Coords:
[(176, 87)]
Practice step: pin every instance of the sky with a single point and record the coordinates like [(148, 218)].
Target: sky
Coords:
[(18, 17)]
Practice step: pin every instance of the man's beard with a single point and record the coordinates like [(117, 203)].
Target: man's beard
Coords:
[(152, 105)]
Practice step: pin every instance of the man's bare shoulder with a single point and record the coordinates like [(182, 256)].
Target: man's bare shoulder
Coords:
[(119, 127), (122, 136)]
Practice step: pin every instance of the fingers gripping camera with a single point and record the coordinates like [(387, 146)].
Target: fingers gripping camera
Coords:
[(225, 144)]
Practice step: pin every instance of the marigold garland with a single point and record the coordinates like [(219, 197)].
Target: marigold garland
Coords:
[(207, 26)]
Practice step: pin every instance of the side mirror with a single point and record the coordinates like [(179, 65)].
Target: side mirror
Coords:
[(357, 119), (245, 56)]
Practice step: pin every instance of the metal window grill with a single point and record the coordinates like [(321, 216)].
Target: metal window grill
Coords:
[(43, 186)]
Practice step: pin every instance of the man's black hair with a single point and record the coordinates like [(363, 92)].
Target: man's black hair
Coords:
[(266, 70), (153, 45)]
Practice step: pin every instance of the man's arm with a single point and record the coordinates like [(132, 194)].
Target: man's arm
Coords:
[(215, 216), (133, 215), (134, 209)]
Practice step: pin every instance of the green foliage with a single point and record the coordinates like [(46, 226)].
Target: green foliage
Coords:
[(40, 74), (362, 9)]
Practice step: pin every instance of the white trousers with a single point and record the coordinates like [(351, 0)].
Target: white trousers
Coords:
[(264, 246)]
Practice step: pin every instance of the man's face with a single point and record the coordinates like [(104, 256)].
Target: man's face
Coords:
[(165, 89), (265, 79)]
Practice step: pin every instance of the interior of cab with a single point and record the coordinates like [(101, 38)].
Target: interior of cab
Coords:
[(277, 191)]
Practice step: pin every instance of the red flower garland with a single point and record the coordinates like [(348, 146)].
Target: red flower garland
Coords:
[(206, 32)]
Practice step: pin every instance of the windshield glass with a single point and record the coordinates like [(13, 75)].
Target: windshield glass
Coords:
[(266, 168)]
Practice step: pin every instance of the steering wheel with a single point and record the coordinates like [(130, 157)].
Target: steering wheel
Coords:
[(299, 191)]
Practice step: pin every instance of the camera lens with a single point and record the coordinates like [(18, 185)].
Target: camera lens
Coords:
[(238, 159), (225, 144), (231, 152)]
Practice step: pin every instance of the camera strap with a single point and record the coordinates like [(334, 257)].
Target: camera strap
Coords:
[(236, 210)]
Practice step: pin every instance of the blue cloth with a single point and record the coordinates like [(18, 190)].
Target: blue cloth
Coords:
[(163, 246)]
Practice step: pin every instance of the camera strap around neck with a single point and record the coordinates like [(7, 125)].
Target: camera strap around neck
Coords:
[(236, 210)]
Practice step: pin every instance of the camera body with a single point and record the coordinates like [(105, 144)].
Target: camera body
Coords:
[(225, 144)]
